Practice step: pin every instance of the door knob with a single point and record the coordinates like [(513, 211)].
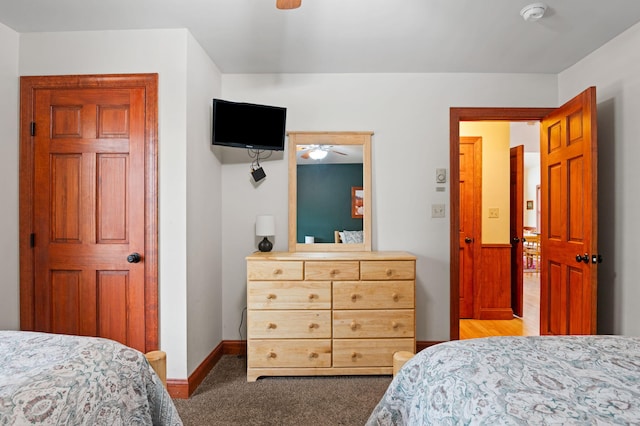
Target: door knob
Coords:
[(134, 258), (516, 240), (468, 240), (584, 258)]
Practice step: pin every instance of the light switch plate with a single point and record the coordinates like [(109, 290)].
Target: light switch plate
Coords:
[(437, 210), (441, 175), (494, 213)]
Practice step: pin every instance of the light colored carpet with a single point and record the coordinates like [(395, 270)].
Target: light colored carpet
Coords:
[(226, 398)]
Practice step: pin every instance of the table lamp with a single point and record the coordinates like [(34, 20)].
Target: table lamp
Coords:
[(265, 227)]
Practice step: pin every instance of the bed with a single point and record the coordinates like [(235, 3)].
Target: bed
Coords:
[(517, 380), (73, 380), (348, 237)]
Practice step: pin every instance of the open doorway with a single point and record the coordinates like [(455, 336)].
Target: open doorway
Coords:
[(498, 181), (568, 163), (459, 115), (497, 209)]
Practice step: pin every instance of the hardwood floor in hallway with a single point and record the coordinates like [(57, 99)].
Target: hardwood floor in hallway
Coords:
[(528, 325)]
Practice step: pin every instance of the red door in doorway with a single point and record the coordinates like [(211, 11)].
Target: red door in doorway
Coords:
[(470, 207), (569, 273), (516, 199), (88, 207)]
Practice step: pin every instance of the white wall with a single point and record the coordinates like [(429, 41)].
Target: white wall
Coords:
[(531, 181), (409, 114), (528, 134), (144, 51), (615, 71), (9, 118), (204, 212)]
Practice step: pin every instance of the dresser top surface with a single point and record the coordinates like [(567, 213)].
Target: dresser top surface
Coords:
[(358, 255)]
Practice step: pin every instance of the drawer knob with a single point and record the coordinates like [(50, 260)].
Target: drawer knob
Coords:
[(354, 297), (312, 296), (334, 272), (271, 326), (389, 272), (313, 355), (313, 325), (277, 271), (395, 297), (271, 354), (354, 355), (354, 325), (271, 296), (395, 325)]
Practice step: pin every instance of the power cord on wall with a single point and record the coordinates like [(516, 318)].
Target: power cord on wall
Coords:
[(244, 310), (256, 171)]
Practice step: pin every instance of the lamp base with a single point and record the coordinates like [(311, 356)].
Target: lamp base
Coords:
[(265, 245)]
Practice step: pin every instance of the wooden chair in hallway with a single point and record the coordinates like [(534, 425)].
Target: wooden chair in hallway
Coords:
[(531, 251)]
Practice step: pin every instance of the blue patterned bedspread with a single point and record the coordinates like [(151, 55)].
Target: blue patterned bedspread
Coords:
[(71, 380), (560, 380)]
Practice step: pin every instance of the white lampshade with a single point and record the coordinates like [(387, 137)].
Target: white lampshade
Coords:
[(265, 226)]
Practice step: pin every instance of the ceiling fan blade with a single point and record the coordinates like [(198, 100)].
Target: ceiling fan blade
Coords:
[(338, 152), (288, 4)]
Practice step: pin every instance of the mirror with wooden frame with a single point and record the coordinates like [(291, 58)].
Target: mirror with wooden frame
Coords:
[(329, 191)]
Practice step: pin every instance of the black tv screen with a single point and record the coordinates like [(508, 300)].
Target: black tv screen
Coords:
[(245, 125)]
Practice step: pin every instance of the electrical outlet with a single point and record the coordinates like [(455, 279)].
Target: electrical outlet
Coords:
[(494, 213), (437, 210)]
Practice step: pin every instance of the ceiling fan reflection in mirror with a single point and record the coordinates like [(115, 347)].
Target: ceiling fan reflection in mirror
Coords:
[(288, 4), (317, 152)]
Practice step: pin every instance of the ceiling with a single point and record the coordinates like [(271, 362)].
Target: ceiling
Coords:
[(369, 36), (336, 154)]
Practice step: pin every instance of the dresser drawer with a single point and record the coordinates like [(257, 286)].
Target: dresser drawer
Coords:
[(331, 270), (387, 270), (289, 353), (289, 324), (373, 295), (274, 270), (366, 323), (368, 352), (289, 295)]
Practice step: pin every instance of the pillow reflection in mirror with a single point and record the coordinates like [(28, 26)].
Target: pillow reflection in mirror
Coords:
[(352, 237)]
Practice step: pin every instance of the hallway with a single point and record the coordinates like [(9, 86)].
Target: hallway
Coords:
[(528, 325)]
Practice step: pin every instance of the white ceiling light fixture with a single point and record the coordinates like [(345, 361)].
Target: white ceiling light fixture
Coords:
[(318, 154), (533, 11)]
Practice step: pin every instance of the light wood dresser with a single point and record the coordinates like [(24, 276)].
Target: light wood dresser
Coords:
[(339, 313)]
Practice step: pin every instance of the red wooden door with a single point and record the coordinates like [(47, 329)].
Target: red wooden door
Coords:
[(89, 201), (469, 211), (516, 201), (568, 158)]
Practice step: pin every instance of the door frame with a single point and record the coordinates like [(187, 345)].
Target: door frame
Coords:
[(28, 87), (456, 115)]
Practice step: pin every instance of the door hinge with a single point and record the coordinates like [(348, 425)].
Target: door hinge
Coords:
[(33, 128), (32, 240)]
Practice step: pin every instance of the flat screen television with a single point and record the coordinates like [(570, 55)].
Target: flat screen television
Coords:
[(245, 125)]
